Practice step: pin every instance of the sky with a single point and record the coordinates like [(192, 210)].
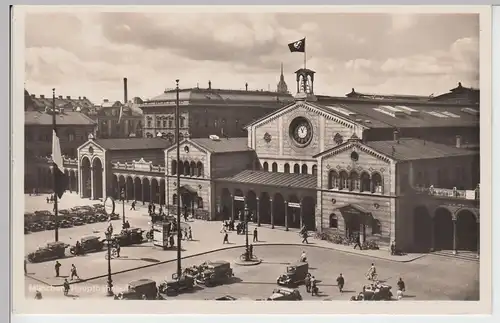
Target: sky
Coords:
[(89, 53)]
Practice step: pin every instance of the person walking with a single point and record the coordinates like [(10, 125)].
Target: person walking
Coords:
[(307, 282), (133, 206), (226, 238), (190, 234), (57, 267), (340, 283), (66, 287), (255, 239), (401, 288), (358, 242), (73, 272), (118, 249)]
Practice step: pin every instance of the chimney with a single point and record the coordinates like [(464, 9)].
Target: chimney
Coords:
[(209, 85), (33, 96), (459, 141), (246, 86), (79, 98), (106, 100), (85, 98), (396, 136), (125, 91), (68, 97), (42, 96), (60, 97)]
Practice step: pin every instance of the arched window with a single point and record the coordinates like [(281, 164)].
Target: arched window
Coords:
[(170, 122), (286, 168), (199, 169), (354, 181), (333, 179), (265, 166), (192, 168), (180, 167), (296, 169), (304, 169), (344, 180), (181, 122), (199, 202), (377, 185), (174, 199), (376, 227), (315, 170), (173, 168), (275, 167), (149, 135), (334, 222), (164, 123), (365, 182), (187, 170)]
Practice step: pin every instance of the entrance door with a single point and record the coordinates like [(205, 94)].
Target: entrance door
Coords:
[(354, 226)]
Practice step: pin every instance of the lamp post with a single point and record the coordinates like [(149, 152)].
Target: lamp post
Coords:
[(122, 196), (110, 281), (247, 249)]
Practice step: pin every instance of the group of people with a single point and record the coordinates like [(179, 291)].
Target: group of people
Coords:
[(240, 229)]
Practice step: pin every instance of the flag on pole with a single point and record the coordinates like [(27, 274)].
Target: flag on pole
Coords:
[(60, 179), (298, 46), (121, 115)]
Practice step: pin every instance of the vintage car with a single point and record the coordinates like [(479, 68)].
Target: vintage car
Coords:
[(215, 273), (77, 221), (177, 284), (89, 218), (101, 217), (139, 289), (129, 236), (53, 250), (376, 292), (36, 226), (65, 223), (64, 212), (88, 244), (294, 275), (49, 225), (114, 216), (285, 294)]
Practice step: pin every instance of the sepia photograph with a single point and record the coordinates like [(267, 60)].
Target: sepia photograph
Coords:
[(215, 155)]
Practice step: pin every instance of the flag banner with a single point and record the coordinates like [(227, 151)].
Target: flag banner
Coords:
[(60, 179), (121, 115), (298, 46)]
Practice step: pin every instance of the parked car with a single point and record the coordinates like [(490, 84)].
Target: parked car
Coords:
[(36, 226), (294, 274), (102, 217), (138, 288), (89, 218), (114, 216), (53, 250), (49, 225), (215, 273), (285, 294), (129, 236), (77, 221), (65, 223), (88, 244), (177, 284)]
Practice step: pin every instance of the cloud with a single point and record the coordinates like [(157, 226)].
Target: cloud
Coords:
[(88, 53)]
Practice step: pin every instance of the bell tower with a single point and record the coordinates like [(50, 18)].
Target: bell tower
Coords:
[(305, 84)]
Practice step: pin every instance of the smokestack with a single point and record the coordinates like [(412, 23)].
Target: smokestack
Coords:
[(459, 141), (125, 91), (246, 86), (209, 85)]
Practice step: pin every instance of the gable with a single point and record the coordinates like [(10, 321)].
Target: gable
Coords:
[(354, 155), (89, 147)]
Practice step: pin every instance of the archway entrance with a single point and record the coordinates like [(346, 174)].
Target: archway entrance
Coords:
[(467, 231), (86, 181), (443, 229), (146, 189), (122, 187), (68, 182), (239, 205), (354, 221), (74, 181), (162, 192), (422, 229), (279, 210), (264, 208), (115, 189), (251, 200), (293, 213), (130, 189), (97, 172), (309, 213), (188, 197), (156, 191), (225, 205), (137, 190)]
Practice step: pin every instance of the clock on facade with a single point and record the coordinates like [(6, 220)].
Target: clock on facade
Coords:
[(301, 131)]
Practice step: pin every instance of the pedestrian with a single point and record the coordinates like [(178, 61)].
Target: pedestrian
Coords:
[(57, 266), (393, 248), (66, 287), (133, 206), (73, 272), (150, 209), (172, 241), (118, 248), (307, 282), (358, 242), (153, 207), (38, 295), (180, 234), (226, 237), (160, 210), (186, 217), (25, 268), (48, 200), (340, 283), (401, 288), (304, 237), (255, 239), (314, 287), (190, 234)]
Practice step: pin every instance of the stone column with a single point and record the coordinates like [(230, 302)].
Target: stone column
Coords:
[(142, 191), (151, 199), (232, 207), (454, 234), (272, 213), (257, 212), (104, 183), (126, 188), (286, 216), (433, 234), (301, 215), (70, 187), (91, 183)]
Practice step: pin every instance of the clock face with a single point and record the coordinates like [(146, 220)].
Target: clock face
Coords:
[(301, 131)]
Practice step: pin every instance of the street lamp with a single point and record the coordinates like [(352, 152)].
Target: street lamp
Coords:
[(247, 248), (122, 196), (110, 281)]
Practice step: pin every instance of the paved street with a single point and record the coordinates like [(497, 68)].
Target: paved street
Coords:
[(426, 278)]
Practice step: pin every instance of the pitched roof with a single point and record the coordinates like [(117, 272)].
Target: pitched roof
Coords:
[(65, 118), (223, 145), (43, 101), (133, 143), (273, 179), (416, 149)]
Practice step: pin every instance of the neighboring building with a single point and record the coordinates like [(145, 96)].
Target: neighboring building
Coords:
[(210, 111), (34, 103), (108, 118), (389, 171)]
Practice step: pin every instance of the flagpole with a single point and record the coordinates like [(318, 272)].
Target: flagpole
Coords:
[(178, 200), (56, 219), (305, 66)]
